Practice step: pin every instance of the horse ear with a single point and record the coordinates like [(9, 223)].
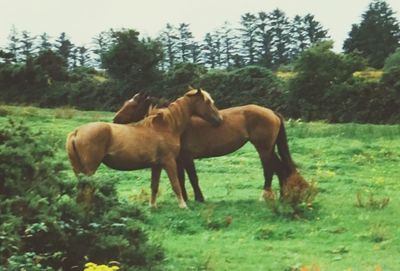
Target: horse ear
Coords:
[(190, 88)]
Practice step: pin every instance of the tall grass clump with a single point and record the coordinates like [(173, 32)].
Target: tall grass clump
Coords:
[(48, 223), (65, 112), (296, 199)]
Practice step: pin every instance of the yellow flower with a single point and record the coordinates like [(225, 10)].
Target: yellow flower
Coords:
[(94, 267), (369, 75)]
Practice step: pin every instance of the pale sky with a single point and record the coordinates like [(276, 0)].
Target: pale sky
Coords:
[(84, 19)]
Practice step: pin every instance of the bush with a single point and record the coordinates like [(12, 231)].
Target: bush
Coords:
[(49, 223), (392, 61), (252, 84), (318, 69)]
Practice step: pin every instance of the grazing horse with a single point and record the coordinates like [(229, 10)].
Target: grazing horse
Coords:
[(261, 126), (154, 142)]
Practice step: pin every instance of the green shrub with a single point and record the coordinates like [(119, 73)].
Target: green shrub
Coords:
[(252, 84), (51, 224)]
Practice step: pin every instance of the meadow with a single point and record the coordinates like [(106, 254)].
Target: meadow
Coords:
[(353, 223)]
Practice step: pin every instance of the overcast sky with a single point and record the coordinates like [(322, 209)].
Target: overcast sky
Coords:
[(84, 19)]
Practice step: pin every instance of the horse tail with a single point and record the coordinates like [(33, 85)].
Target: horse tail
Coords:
[(283, 147), (73, 153)]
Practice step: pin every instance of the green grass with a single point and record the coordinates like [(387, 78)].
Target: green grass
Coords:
[(353, 225)]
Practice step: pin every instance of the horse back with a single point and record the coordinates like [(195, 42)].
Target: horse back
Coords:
[(262, 124)]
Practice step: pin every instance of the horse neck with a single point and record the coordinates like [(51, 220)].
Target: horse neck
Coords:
[(180, 113)]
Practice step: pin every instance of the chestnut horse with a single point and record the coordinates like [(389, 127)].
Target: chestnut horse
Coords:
[(261, 126), (154, 142)]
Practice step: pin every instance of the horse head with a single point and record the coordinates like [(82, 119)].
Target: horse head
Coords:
[(134, 109), (203, 106)]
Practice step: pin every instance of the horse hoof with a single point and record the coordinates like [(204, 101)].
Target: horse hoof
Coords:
[(201, 200), (183, 205)]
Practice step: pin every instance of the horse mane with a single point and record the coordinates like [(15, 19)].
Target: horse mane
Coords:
[(163, 116), (167, 116)]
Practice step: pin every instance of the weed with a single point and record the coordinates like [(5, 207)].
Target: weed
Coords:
[(142, 196), (4, 111), (377, 234), (298, 196), (372, 202), (65, 113)]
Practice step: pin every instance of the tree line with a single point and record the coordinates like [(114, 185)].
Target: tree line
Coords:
[(238, 64)]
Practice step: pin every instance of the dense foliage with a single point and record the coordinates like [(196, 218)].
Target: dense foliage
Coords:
[(48, 223), (377, 35), (237, 66)]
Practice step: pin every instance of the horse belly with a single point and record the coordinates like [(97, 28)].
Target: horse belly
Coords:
[(214, 141), (122, 164), (132, 148)]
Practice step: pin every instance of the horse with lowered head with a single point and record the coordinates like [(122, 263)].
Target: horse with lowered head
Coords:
[(261, 126), (153, 143)]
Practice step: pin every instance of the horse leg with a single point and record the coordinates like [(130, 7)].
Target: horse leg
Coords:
[(279, 169), (181, 177), (155, 182), (194, 180), (171, 168), (266, 157)]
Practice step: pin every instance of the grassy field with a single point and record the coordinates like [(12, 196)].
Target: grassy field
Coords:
[(354, 223)]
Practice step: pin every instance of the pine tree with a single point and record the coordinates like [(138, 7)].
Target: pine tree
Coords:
[(45, 43), (102, 43), (185, 39), (26, 46), (64, 47), (299, 36), (281, 40), (13, 46), (377, 36), (314, 31), (209, 53), (249, 38), (83, 55), (169, 38), (228, 45), (195, 52), (265, 40)]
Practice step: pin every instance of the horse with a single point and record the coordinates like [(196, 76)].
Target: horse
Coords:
[(152, 143), (261, 126)]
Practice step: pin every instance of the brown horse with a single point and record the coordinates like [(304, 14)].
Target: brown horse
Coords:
[(154, 143), (261, 126)]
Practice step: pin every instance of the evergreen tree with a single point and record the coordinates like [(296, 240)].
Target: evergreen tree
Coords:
[(83, 55), (102, 43), (185, 40), (74, 57), (265, 40), (169, 38), (195, 52), (13, 46), (299, 36), (314, 31), (64, 47), (377, 36), (281, 40), (26, 46), (249, 37), (6, 57), (228, 45), (45, 43), (209, 52), (132, 60)]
